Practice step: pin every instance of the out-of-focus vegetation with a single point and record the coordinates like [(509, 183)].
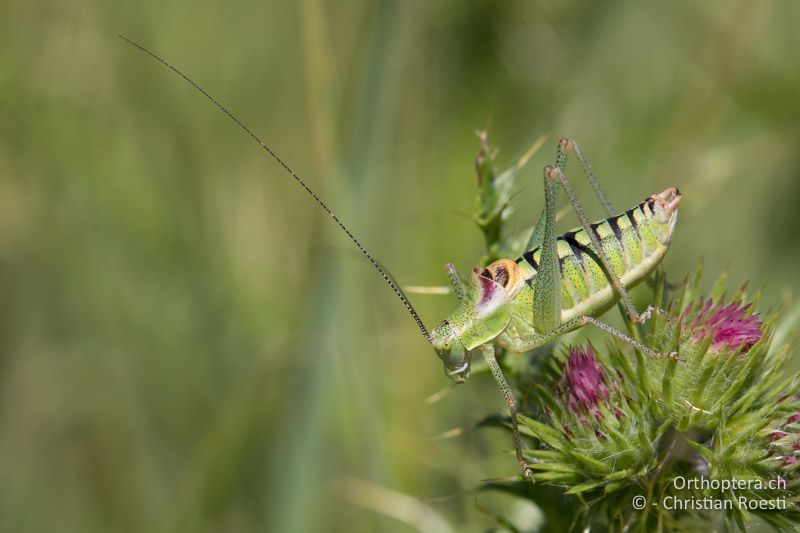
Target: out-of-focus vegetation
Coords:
[(188, 343)]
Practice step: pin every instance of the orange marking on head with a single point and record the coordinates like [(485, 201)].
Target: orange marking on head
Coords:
[(507, 274)]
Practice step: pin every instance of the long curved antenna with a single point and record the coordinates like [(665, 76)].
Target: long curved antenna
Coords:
[(383, 272)]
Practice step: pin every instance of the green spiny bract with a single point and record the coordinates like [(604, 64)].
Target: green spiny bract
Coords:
[(495, 191)]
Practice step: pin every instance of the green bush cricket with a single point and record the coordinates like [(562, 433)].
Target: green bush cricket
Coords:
[(558, 285)]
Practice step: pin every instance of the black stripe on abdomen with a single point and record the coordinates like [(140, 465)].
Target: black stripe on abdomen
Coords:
[(574, 245), (528, 256), (634, 224), (614, 223)]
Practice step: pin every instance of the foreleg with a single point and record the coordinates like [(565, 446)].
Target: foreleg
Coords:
[(458, 287)]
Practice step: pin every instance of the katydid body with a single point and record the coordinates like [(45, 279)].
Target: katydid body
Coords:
[(559, 285), (498, 306)]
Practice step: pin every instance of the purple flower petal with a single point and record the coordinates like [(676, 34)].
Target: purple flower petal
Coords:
[(777, 435), (583, 382), (727, 325), (793, 418)]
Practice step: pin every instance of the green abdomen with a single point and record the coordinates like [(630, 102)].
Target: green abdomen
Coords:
[(629, 240)]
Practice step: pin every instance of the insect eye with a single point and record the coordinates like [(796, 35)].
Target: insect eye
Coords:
[(498, 274), (501, 276)]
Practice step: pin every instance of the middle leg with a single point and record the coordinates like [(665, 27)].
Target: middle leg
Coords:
[(534, 339)]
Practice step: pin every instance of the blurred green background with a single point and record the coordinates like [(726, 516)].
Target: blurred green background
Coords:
[(186, 341)]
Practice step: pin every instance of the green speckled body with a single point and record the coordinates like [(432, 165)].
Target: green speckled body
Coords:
[(635, 243)]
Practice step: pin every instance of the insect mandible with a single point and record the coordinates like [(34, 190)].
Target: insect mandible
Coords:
[(558, 285)]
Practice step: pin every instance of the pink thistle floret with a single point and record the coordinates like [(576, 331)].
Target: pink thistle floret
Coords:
[(777, 435), (727, 325), (583, 382)]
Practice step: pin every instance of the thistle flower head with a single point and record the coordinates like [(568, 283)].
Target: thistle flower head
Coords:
[(583, 383), (727, 325)]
